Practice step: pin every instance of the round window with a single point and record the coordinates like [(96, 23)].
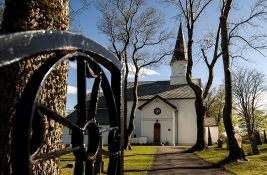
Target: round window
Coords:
[(157, 111)]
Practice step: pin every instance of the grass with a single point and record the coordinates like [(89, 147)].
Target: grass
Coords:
[(136, 161), (257, 164), (64, 160)]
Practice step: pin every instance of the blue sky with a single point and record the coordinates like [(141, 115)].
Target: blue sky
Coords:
[(208, 21)]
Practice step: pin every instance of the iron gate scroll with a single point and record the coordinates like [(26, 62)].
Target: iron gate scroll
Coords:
[(92, 58)]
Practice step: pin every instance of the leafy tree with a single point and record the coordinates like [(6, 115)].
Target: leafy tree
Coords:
[(133, 30), (33, 15), (260, 122), (215, 102), (248, 89), (214, 105)]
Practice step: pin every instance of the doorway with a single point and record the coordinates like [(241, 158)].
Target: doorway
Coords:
[(157, 133)]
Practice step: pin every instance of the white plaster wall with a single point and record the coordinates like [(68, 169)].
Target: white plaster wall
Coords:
[(165, 118), (186, 121), (213, 132), (67, 136), (139, 140), (137, 121), (187, 129), (147, 130)]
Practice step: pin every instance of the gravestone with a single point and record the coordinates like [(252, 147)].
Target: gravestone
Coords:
[(220, 143), (258, 138), (70, 165), (265, 139)]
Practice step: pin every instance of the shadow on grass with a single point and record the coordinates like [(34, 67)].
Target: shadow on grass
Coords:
[(263, 149), (67, 160), (228, 160), (156, 154), (174, 168)]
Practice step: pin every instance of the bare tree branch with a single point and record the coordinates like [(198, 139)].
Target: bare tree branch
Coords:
[(134, 30), (248, 88), (250, 44)]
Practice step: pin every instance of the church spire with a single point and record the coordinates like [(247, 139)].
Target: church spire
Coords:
[(179, 60), (180, 49)]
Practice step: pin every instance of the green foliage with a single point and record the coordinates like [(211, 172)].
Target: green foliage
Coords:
[(260, 122), (215, 103), (256, 165), (248, 90)]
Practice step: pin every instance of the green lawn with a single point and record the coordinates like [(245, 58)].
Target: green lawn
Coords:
[(257, 164), (136, 161)]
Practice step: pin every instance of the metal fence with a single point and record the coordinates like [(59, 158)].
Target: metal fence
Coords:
[(91, 59)]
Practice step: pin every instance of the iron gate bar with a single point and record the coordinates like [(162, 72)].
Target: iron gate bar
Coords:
[(23, 119), (76, 137), (39, 135), (118, 91), (15, 47), (108, 94), (42, 109), (51, 155), (114, 134), (21, 45), (94, 98)]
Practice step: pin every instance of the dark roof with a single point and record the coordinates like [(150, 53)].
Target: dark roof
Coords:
[(102, 117), (210, 121), (148, 89), (101, 100), (157, 96), (180, 47)]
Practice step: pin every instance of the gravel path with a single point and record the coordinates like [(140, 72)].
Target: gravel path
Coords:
[(172, 160)]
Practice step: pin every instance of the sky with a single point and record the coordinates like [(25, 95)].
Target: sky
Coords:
[(87, 22)]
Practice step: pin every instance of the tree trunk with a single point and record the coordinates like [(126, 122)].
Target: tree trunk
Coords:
[(131, 125), (235, 152), (251, 136), (209, 137), (125, 104), (33, 15), (199, 103), (200, 111), (253, 144)]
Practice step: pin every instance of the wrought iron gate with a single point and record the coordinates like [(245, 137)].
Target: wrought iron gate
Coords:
[(92, 59)]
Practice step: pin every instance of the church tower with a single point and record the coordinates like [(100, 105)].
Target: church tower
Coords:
[(179, 60)]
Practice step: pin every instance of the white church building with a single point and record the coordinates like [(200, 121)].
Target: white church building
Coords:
[(166, 111)]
